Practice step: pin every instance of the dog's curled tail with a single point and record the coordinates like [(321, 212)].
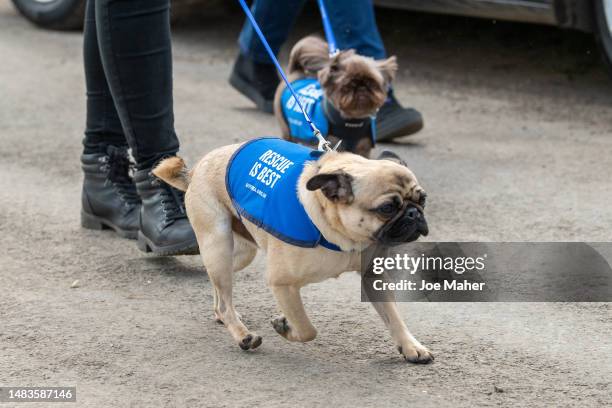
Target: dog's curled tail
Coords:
[(308, 56), (174, 172)]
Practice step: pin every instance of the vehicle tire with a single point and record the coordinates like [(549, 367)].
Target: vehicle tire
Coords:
[(603, 29), (54, 14)]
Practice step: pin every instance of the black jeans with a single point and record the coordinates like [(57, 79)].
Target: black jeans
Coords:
[(128, 72)]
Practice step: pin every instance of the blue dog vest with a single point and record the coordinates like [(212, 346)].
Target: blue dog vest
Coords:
[(311, 97), (261, 180), (324, 116)]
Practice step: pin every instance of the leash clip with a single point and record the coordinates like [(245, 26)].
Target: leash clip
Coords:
[(324, 145)]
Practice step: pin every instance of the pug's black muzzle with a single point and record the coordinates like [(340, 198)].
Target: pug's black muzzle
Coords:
[(406, 226)]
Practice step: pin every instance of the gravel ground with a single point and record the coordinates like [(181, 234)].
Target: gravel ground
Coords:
[(516, 148)]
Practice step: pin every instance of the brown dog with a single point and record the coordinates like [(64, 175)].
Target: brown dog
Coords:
[(344, 95), (354, 202)]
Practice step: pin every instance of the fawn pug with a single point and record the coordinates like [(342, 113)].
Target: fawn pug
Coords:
[(312, 214)]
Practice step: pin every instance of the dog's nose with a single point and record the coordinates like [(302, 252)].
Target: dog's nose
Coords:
[(423, 228), (359, 84), (413, 214)]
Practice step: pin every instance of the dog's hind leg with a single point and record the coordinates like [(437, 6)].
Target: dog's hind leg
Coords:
[(244, 252), (295, 324), (217, 249)]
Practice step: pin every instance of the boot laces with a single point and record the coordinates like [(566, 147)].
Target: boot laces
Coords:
[(173, 201), (120, 169)]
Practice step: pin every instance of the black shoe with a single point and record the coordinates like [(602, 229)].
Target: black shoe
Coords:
[(256, 81), (164, 227), (393, 120), (109, 198)]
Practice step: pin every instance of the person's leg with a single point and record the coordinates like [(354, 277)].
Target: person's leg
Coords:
[(254, 74), (134, 39), (109, 198), (275, 18), (102, 126), (354, 25), (135, 48)]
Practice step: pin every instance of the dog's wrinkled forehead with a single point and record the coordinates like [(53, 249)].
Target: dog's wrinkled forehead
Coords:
[(394, 180), (374, 179)]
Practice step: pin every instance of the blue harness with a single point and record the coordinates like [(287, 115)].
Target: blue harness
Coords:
[(261, 180), (324, 116)]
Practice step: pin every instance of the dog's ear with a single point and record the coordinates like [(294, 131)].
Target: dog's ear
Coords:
[(389, 155), (309, 55), (336, 186), (388, 68)]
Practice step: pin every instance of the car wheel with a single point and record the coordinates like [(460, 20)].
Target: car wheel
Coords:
[(55, 14), (603, 17)]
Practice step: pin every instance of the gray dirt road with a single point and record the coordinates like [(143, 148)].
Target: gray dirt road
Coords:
[(516, 147)]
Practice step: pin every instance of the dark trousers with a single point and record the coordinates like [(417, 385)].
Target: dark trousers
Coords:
[(353, 23), (128, 73)]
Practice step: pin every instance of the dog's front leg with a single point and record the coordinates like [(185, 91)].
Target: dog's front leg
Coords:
[(294, 325), (407, 345)]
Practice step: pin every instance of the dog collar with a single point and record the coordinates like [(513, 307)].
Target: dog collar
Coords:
[(349, 130)]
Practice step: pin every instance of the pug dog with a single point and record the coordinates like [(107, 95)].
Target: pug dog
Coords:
[(353, 202), (341, 95)]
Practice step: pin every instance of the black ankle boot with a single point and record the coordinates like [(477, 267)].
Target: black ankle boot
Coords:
[(164, 227), (256, 81), (393, 120), (109, 195)]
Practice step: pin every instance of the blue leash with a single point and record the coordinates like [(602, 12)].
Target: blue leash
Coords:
[(324, 145), (329, 33)]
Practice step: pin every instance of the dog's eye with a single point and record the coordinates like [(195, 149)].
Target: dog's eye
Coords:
[(422, 199), (388, 209)]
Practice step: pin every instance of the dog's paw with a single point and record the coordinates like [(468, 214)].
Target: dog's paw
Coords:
[(416, 353), (250, 341), (281, 325)]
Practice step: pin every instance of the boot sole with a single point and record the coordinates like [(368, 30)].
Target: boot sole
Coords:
[(247, 90), (93, 222), (182, 248)]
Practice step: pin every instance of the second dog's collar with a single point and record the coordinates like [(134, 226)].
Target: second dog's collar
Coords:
[(349, 130)]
